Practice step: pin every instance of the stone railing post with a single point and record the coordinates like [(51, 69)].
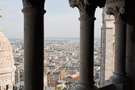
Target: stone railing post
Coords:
[(33, 44), (119, 74), (87, 13)]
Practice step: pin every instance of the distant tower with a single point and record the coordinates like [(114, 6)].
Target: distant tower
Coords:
[(7, 68), (0, 14)]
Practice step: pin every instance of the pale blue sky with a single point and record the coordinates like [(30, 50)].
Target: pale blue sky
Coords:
[(60, 19)]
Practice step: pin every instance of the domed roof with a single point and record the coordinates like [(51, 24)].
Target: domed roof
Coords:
[(7, 67), (6, 56), (4, 43)]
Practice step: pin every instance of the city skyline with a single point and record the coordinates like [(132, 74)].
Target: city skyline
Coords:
[(57, 19)]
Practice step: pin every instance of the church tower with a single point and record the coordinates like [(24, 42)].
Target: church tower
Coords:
[(107, 47)]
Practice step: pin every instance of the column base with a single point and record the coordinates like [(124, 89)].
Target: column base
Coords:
[(121, 86), (121, 79), (84, 87)]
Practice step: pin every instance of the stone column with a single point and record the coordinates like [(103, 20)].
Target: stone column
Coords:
[(130, 54), (33, 44), (87, 11), (86, 51), (119, 74)]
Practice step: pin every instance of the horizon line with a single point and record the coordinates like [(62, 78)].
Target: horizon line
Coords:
[(49, 37)]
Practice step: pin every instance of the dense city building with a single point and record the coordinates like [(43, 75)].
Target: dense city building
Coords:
[(61, 62)]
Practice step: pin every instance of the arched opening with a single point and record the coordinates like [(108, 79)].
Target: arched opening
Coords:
[(62, 21), (33, 15)]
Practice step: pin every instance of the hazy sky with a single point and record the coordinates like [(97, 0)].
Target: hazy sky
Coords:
[(60, 19)]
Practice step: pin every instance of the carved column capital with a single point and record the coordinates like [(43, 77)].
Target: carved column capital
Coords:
[(118, 12), (86, 8), (33, 5)]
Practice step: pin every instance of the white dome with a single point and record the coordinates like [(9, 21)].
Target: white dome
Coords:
[(7, 67), (6, 56), (4, 43)]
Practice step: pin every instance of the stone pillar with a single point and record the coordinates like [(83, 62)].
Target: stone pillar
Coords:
[(119, 74), (130, 55), (87, 11), (33, 44), (86, 51)]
